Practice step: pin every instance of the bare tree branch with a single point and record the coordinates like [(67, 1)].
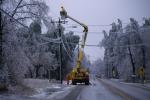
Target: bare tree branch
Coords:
[(28, 12), (26, 5), (22, 18), (13, 18), (16, 8)]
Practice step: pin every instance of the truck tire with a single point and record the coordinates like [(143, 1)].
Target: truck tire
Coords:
[(87, 82), (74, 82)]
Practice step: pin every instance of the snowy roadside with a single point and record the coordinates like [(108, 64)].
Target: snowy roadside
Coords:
[(39, 89), (48, 90), (53, 91)]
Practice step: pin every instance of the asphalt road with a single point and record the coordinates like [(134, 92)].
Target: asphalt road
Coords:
[(98, 90), (95, 91), (130, 91), (73, 95)]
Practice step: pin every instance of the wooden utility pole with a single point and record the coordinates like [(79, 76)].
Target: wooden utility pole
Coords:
[(1, 34), (60, 50)]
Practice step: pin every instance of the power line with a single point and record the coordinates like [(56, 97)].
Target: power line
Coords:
[(50, 41), (88, 32), (131, 45), (96, 45), (66, 49), (104, 25), (62, 41), (96, 25), (99, 25), (67, 44)]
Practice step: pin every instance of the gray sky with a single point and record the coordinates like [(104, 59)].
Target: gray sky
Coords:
[(99, 12)]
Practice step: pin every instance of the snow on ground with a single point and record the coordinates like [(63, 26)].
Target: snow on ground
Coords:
[(38, 83), (48, 90), (55, 91), (61, 94), (96, 91), (45, 90)]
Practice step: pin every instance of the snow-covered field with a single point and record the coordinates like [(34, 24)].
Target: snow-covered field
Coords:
[(56, 91), (48, 90)]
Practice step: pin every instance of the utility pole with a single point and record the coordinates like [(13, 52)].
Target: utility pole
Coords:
[(60, 51), (60, 48)]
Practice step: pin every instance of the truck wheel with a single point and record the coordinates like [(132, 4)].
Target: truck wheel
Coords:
[(87, 82), (73, 82)]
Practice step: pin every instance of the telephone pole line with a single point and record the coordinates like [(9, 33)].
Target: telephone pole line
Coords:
[(60, 48), (60, 51)]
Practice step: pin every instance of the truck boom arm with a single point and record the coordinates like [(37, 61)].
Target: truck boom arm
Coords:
[(64, 15)]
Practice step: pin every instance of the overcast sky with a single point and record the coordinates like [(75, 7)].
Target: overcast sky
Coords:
[(99, 12)]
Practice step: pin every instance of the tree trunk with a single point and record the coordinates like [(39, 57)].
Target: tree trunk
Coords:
[(1, 34), (37, 70)]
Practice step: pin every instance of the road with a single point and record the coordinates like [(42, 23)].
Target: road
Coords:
[(97, 90), (129, 91)]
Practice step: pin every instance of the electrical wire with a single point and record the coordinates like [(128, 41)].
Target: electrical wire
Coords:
[(95, 25), (67, 44), (82, 32), (66, 49), (93, 45)]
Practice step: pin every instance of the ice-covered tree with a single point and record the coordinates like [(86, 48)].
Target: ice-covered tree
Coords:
[(125, 50)]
